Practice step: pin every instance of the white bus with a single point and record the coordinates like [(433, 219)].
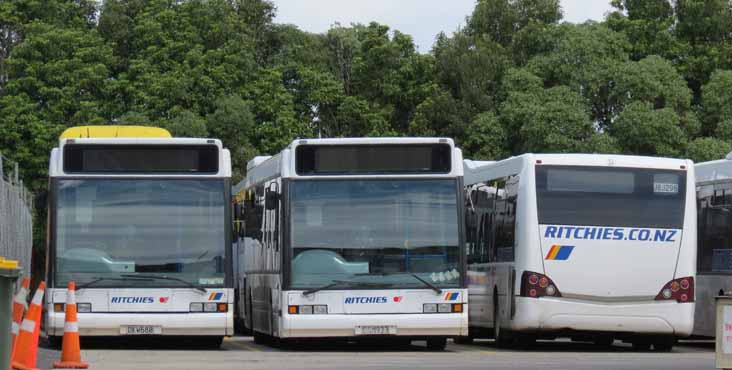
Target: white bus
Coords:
[(714, 249), (591, 247), (354, 238), (138, 220)]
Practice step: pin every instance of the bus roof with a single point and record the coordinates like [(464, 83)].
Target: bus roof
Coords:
[(475, 171), (55, 168), (264, 168), (114, 131), (714, 170)]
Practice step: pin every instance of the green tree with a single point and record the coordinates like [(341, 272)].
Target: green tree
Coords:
[(440, 115), (58, 78), (642, 130), (585, 58), (717, 100), (649, 26), (500, 20), (471, 68), (17, 15), (708, 149), (184, 123), (706, 27), (233, 122), (560, 123), (485, 138)]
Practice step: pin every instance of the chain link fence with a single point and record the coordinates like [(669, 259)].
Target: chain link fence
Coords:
[(16, 217)]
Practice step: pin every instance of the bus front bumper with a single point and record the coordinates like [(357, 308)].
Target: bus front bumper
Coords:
[(166, 324), (405, 325), (561, 314)]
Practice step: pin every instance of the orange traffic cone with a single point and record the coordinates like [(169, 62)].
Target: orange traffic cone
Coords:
[(19, 305), (26, 345), (70, 349)]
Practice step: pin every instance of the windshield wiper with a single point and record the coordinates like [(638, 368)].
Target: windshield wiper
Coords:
[(423, 281), (335, 283), (99, 279), (154, 277)]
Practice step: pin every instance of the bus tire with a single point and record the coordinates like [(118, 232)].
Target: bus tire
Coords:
[(664, 344), (503, 338), (526, 341), (53, 342), (259, 338), (641, 345), (436, 344), (603, 340), (213, 342), (463, 340)]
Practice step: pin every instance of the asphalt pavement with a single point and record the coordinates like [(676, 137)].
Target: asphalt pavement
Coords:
[(243, 353)]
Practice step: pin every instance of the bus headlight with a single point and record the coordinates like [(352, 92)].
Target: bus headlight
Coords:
[(83, 307), (444, 308), (320, 310), (210, 307), (429, 308), (196, 307), (306, 310)]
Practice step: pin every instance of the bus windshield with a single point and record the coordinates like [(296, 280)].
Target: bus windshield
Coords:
[(110, 229), (606, 196), (375, 231)]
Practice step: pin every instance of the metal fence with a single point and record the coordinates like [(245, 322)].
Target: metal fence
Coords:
[(16, 217)]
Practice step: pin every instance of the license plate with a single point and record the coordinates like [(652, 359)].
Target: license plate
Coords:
[(376, 330), (141, 330)]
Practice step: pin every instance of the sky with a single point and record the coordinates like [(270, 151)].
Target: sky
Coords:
[(422, 19)]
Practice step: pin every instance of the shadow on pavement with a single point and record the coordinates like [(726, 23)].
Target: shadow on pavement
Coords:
[(376, 345), (585, 347), (139, 343)]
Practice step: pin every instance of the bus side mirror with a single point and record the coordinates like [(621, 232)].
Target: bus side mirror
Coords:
[(271, 199)]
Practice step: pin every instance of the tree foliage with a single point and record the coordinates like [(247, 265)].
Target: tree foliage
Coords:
[(654, 78)]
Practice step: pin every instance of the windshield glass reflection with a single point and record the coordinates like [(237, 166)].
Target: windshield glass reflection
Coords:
[(111, 228)]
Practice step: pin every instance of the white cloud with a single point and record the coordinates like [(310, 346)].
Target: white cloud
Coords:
[(578, 11), (422, 19)]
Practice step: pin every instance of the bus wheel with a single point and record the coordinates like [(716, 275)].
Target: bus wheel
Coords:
[(53, 342), (213, 342), (526, 341), (641, 345), (436, 344), (664, 344), (603, 341), (463, 340), (259, 338), (503, 340)]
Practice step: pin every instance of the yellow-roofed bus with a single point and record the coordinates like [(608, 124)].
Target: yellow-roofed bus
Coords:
[(137, 219)]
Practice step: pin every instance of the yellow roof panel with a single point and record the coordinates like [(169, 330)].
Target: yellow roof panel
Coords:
[(8, 264), (84, 132)]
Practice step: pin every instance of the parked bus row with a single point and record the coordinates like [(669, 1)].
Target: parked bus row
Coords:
[(380, 237)]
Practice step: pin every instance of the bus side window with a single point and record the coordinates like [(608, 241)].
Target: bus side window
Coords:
[(715, 228), (505, 219), (253, 215), (471, 225), (486, 237), (238, 213)]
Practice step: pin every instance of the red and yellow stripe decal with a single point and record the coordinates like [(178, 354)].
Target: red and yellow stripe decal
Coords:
[(559, 252)]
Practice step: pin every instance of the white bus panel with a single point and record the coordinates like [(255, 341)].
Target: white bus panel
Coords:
[(142, 226), (714, 267), (593, 247), (353, 238)]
